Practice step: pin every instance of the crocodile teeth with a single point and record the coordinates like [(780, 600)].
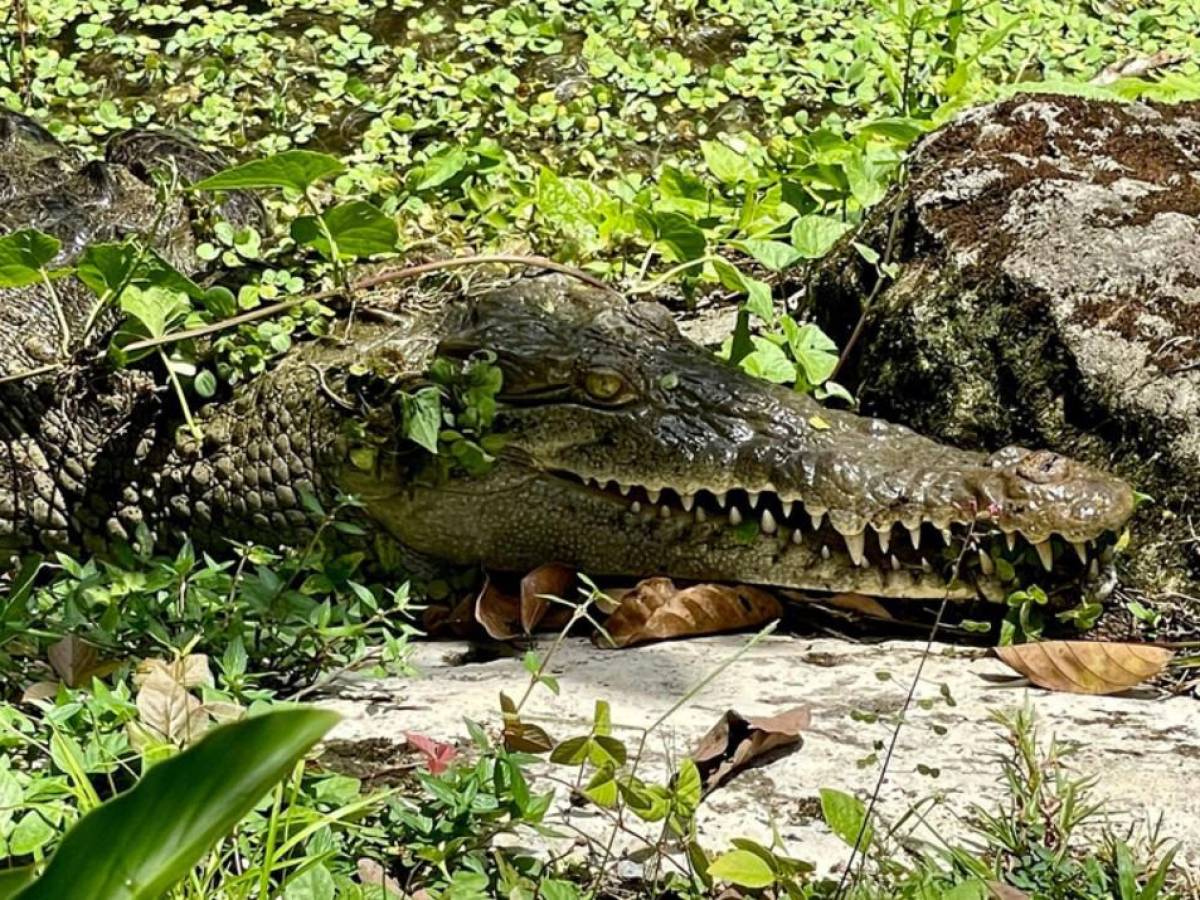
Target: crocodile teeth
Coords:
[(895, 563), (720, 498), (701, 515), (885, 539), (816, 519), (1080, 551), (735, 516), (664, 511), (653, 495), (945, 535), (753, 496), (914, 535), (1094, 569), (1010, 538), (985, 564), (688, 501), (855, 544), (797, 537), (787, 508), (825, 551), (1045, 554), (768, 522), (635, 507), (925, 566), (625, 489)]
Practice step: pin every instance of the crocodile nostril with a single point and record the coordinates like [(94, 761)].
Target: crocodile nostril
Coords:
[(1043, 466)]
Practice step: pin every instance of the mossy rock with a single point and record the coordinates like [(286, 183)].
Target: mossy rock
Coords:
[(1048, 294)]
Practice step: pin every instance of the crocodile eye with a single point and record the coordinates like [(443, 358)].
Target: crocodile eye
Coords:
[(605, 386)]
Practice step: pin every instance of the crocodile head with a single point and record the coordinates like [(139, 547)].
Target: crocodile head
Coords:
[(632, 450)]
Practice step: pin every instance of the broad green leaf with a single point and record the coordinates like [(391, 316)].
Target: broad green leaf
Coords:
[(315, 883), (105, 267), (23, 254), (688, 788), (572, 751), (441, 167), (295, 170), (742, 868), (813, 236), (768, 362), (601, 789), (902, 131), (423, 418), (12, 880), (155, 308), (359, 229), (726, 164), (759, 300), (813, 350), (845, 815), (774, 255), (137, 845), (682, 237)]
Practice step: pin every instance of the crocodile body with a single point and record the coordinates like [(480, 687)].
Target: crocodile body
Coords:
[(629, 450)]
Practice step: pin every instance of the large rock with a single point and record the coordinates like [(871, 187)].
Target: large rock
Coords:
[(1048, 294), (1143, 749)]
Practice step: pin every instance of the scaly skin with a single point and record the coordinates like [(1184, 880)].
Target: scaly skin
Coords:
[(630, 451)]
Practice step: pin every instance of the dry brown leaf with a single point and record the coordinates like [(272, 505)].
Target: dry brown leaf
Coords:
[(553, 579), (167, 709), (499, 613), (736, 741), (656, 610), (457, 621), (1086, 667), (862, 604), (187, 671), (40, 690), (77, 662)]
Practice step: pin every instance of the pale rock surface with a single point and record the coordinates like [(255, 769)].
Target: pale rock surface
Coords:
[(1145, 750)]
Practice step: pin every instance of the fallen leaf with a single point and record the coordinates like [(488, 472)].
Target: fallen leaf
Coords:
[(552, 579), (499, 613), (1085, 667), (438, 754), (736, 741), (445, 621), (656, 610), (862, 604), (76, 661)]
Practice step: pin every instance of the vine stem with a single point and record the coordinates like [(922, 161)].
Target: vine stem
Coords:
[(371, 281)]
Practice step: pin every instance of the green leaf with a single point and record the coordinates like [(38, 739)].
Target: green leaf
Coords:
[(314, 883), (742, 868), (688, 787), (845, 815), (572, 751), (137, 845), (813, 350), (682, 237), (359, 229), (296, 170), (768, 362), (729, 166), (23, 254), (601, 789), (155, 309), (441, 167), (774, 255), (901, 130), (105, 267), (813, 236), (12, 880), (205, 383), (423, 418)]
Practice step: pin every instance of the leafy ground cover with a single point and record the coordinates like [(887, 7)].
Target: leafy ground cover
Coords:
[(681, 147)]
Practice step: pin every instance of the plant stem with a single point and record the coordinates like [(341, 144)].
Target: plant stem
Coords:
[(58, 312), (180, 395)]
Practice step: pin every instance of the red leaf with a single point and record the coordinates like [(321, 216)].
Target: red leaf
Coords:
[(438, 755)]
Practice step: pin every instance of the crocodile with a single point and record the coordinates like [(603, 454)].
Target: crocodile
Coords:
[(628, 449)]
